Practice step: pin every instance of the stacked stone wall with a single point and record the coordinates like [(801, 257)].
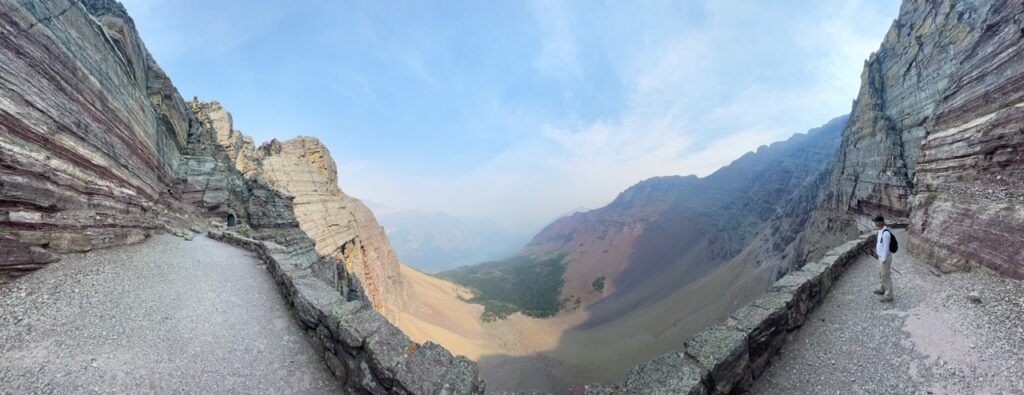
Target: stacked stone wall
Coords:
[(728, 357), (364, 351)]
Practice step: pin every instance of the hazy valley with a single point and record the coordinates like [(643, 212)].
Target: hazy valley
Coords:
[(681, 284)]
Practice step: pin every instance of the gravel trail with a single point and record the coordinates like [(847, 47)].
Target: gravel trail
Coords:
[(932, 340), (165, 316)]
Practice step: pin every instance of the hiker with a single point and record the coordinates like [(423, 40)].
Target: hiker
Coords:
[(884, 254)]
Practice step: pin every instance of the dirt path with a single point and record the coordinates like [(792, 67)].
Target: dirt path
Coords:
[(931, 340), (167, 315)]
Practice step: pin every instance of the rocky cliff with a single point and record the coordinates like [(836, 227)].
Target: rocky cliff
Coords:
[(98, 149), (91, 132), (935, 138), (342, 226)]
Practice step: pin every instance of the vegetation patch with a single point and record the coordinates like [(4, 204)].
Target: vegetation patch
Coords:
[(517, 284), (598, 285)]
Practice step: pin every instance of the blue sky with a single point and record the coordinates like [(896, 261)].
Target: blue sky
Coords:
[(516, 110)]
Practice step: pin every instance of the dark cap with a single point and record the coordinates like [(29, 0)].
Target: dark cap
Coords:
[(879, 218)]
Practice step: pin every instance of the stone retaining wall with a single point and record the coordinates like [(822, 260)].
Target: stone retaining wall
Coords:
[(728, 357), (363, 350)]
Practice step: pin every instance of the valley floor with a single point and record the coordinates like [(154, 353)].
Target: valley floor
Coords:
[(166, 315), (931, 340), (557, 354)]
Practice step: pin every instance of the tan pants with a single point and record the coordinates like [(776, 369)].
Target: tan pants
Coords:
[(886, 276)]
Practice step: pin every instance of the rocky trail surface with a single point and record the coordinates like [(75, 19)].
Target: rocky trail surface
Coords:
[(932, 340), (166, 315)]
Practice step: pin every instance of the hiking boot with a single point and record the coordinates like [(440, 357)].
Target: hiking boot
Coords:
[(879, 291)]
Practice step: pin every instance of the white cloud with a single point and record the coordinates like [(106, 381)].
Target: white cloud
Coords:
[(701, 84), (682, 115)]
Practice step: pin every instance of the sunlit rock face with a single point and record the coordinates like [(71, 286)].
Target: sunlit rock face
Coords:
[(302, 168), (342, 226), (935, 137)]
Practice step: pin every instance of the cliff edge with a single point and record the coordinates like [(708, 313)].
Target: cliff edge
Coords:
[(936, 136), (341, 226)]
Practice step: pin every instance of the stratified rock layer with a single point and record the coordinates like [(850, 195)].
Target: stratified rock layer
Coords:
[(90, 130), (935, 138)]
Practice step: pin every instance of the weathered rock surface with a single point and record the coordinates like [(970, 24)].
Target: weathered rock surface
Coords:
[(238, 148), (672, 373), (90, 129), (935, 136), (342, 227)]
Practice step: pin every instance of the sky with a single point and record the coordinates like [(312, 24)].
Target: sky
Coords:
[(518, 111)]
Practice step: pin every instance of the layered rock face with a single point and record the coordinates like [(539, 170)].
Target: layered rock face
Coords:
[(91, 132), (935, 137), (302, 168)]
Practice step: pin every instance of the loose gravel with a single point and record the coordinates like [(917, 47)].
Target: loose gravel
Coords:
[(932, 340), (166, 315)]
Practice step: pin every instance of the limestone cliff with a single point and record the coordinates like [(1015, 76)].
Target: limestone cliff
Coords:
[(935, 137), (342, 226)]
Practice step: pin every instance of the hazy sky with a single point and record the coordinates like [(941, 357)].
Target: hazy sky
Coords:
[(518, 110)]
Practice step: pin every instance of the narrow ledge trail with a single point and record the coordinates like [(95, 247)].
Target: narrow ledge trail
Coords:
[(932, 340), (165, 315)]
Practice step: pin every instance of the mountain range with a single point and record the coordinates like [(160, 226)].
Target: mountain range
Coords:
[(98, 149)]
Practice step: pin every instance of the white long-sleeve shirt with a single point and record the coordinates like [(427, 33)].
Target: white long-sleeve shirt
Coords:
[(882, 244)]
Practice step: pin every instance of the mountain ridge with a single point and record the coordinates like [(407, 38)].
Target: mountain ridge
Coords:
[(638, 234)]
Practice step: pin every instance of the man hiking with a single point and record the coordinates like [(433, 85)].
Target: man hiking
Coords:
[(884, 254)]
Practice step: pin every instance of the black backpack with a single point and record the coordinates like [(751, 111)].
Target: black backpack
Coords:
[(893, 244)]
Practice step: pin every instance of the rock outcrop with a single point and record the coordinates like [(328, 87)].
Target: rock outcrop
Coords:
[(90, 132), (935, 137), (342, 226), (302, 168)]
